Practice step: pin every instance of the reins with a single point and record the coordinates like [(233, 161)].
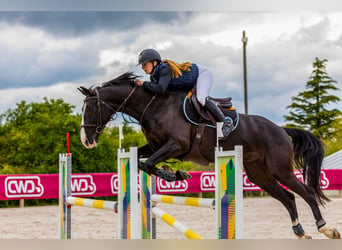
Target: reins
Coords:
[(146, 107)]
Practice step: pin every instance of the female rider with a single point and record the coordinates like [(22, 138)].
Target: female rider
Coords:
[(169, 75)]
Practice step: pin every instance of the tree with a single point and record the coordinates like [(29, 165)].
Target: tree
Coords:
[(335, 144), (33, 134), (309, 107)]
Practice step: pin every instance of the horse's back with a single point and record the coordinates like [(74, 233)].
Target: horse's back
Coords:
[(259, 137)]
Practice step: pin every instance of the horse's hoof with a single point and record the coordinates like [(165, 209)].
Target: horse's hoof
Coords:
[(182, 175), (330, 232), (168, 176)]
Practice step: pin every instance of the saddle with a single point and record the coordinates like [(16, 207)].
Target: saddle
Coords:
[(198, 115)]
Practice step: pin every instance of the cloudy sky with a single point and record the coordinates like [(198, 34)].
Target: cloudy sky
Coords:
[(51, 53)]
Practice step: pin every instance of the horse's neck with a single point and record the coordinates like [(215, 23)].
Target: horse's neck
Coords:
[(132, 104), (141, 102)]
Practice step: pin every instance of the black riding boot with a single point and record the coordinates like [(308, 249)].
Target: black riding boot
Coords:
[(219, 116)]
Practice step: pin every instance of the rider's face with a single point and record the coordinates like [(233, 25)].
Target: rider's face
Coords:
[(147, 67)]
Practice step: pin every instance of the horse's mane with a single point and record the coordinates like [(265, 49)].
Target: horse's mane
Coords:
[(127, 76)]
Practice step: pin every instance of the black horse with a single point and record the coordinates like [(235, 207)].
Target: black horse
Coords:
[(269, 155)]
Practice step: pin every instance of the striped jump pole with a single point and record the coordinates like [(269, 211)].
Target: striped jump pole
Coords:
[(187, 201), (190, 234), (99, 204)]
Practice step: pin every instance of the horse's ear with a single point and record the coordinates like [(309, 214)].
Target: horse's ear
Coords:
[(85, 91)]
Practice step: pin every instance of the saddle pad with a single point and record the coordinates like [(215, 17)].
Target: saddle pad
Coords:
[(193, 117)]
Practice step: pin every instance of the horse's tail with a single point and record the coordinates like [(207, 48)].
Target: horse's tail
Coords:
[(308, 155)]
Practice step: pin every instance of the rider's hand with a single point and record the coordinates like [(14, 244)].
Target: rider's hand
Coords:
[(139, 82)]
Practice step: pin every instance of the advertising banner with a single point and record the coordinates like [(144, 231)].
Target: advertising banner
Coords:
[(45, 186)]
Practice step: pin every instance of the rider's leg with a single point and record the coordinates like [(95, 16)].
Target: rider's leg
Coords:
[(204, 83), (227, 127)]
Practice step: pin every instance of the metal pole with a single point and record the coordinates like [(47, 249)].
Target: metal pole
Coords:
[(244, 41)]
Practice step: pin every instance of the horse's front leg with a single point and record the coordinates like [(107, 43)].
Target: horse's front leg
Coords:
[(167, 151), (145, 151)]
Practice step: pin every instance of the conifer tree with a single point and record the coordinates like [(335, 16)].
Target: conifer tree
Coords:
[(309, 109)]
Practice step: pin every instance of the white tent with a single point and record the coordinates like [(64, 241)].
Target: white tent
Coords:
[(333, 161)]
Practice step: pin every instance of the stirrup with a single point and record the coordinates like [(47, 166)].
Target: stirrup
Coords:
[(228, 120), (227, 128)]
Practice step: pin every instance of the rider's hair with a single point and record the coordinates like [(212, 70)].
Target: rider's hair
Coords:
[(177, 68)]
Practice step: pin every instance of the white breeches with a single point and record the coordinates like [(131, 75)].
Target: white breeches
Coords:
[(204, 83)]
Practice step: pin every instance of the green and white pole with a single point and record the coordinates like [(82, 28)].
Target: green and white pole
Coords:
[(229, 194), (64, 193), (128, 205)]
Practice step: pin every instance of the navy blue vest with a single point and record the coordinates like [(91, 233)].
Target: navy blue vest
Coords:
[(186, 81)]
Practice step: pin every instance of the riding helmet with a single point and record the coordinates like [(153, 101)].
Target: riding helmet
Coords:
[(149, 55)]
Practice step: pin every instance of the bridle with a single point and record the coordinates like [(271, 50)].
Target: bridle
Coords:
[(99, 126)]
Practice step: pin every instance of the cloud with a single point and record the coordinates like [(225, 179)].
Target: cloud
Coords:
[(31, 57), (82, 23), (64, 90), (42, 52)]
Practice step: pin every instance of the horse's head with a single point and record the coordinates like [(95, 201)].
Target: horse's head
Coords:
[(102, 102), (95, 114)]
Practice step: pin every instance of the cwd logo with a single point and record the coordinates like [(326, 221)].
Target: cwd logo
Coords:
[(208, 182), (177, 186), (82, 185), (324, 179), (114, 184), (23, 186)]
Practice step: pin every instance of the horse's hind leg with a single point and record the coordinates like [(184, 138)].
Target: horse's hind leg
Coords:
[(272, 187), (288, 200), (307, 193)]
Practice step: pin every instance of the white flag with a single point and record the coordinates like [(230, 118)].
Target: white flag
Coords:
[(219, 126)]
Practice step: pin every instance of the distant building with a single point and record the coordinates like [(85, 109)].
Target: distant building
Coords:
[(333, 161)]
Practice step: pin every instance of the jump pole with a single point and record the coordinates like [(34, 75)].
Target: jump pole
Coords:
[(91, 203), (187, 201)]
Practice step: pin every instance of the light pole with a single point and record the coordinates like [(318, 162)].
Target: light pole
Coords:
[(244, 41)]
